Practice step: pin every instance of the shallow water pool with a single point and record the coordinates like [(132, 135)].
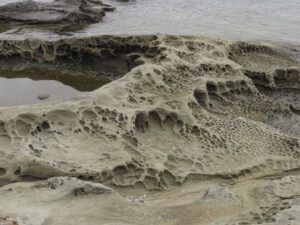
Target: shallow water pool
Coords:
[(44, 86), (24, 91)]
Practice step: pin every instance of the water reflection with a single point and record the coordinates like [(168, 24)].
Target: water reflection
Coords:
[(34, 86)]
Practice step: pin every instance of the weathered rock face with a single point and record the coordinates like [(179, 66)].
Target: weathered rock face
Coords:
[(191, 111), (181, 91), (57, 11)]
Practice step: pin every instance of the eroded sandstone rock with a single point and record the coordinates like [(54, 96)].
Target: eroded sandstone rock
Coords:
[(186, 113), (57, 12), (122, 128)]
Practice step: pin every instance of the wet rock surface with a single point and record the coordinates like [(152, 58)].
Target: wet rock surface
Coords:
[(59, 14), (188, 119)]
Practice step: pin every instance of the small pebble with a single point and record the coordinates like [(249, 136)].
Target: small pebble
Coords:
[(43, 96)]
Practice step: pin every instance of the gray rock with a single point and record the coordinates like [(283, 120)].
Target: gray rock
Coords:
[(221, 195), (43, 96), (57, 11)]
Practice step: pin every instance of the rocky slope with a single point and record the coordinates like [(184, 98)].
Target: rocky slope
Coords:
[(209, 129)]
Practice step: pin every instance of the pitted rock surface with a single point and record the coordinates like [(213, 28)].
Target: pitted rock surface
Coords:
[(190, 114)]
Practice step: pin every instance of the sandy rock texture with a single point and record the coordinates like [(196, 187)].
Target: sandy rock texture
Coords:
[(191, 131), (57, 12)]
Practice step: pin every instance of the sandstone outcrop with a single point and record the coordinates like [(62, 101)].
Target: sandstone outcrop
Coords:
[(183, 114)]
